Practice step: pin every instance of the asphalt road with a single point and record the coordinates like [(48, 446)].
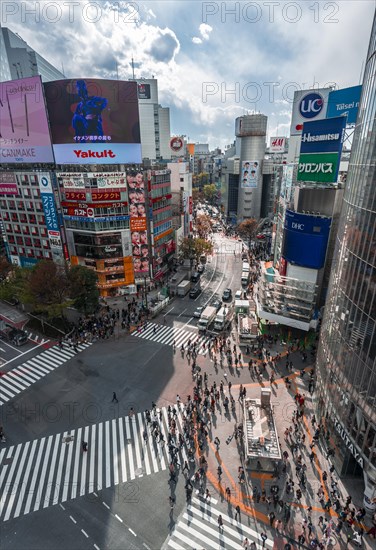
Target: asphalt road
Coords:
[(76, 399)]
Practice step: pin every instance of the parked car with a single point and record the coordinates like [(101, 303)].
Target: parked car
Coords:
[(239, 294), (227, 294), (195, 292), (198, 312)]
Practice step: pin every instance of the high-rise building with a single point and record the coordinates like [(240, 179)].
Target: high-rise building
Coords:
[(19, 60), (154, 121), (250, 131), (346, 366)]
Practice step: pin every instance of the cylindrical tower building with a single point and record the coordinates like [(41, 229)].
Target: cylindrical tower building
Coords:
[(250, 131), (346, 366)]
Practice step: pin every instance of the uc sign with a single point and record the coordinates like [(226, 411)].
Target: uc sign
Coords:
[(311, 105)]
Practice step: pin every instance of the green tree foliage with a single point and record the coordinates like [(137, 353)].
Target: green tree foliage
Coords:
[(194, 248), (83, 289), (210, 192), (49, 288), (248, 228)]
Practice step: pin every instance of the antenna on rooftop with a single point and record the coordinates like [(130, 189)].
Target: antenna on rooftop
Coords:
[(132, 68)]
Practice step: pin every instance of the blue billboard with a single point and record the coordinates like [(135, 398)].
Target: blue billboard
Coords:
[(305, 239), (323, 136), (48, 202), (344, 102)]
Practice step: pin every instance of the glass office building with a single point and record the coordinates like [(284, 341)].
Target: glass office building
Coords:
[(346, 366)]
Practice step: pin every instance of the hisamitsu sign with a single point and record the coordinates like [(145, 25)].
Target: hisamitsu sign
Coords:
[(323, 136)]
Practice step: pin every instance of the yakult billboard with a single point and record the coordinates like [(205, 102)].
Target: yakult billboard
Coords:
[(24, 134), (94, 121)]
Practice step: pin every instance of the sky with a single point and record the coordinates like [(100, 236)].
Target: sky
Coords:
[(214, 61)]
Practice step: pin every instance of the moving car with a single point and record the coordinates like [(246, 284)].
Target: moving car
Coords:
[(195, 277), (238, 294), (200, 268), (198, 312), (16, 336), (195, 292), (216, 303), (227, 294)]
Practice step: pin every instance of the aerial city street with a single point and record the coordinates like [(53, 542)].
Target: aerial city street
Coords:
[(187, 334)]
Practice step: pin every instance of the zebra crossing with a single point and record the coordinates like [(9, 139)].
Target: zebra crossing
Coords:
[(52, 470), (167, 335), (198, 528), (21, 378), (37, 338)]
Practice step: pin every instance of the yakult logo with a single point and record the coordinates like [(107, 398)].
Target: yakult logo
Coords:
[(311, 105), (94, 154)]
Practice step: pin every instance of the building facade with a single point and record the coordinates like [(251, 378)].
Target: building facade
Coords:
[(19, 60), (346, 362)]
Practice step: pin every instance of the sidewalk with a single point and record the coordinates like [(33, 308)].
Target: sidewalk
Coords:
[(249, 495)]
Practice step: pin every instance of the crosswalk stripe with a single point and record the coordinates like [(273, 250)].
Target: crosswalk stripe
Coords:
[(23, 376), (166, 335), (44, 472)]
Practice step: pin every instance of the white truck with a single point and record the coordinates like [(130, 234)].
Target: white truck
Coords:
[(245, 278), (246, 267), (207, 317), (223, 318), (183, 288), (247, 328)]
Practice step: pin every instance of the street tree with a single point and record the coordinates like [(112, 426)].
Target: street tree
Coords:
[(192, 249), (49, 289), (210, 192), (83, 289), (203, 226), (247, 228), (5, 268)]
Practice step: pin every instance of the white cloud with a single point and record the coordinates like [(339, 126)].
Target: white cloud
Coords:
[(205, 30), (196, 40)]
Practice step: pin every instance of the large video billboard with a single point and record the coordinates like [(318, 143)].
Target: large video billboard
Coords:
[(305, 239), (249, 174), (94, 121), (308, 105), (344, 102), (24, 132)]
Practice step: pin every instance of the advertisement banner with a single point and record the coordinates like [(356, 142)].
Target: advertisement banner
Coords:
[(94, 121), (73, 183), (323, 136), (176, 144), (305, 239), (308, 105), (105, 196), (126, 242), (48, 202), (143, 91), (286, 185), (344, 103), (138, 222), (318, 167), (249, 174), (75, 196), (277, 144), (111, 182), (25, 136), (8, 183)]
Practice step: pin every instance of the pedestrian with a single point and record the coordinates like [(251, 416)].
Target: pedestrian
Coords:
[(84, 446), (217, 443), (245, 543), (271, 517), (263, 538), (172, 503), (114, 398), (220, 523), (237, 512), (207, 495)]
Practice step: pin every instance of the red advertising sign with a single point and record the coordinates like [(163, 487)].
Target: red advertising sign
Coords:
[(190, 205), (105, 195), (138, 224), (75, 195), (176, 144), (8, 183)]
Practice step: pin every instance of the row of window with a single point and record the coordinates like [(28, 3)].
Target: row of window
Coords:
[(28, 241), (38, 254), (25, 229), (162, 228)]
